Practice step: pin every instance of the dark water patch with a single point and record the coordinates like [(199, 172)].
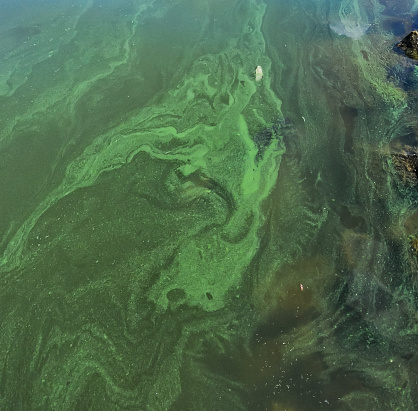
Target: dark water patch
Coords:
[(404, 74), (304, 383), (176, 295), (397, 25), (355, 333), (397, 7), (277, 382), (350, 221), (24, 33), (415, 21), (408, 356), (405, 142), (349, 115), (283, 320)]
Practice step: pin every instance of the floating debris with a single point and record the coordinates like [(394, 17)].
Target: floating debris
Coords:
[(258, 73)]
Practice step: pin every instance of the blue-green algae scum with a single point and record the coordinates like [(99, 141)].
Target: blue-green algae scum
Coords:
[(208, 205)]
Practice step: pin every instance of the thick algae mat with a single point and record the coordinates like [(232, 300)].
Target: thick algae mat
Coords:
[(179, 236)]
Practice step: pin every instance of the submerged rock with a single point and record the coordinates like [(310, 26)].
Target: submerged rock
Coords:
[(406, 166), (409, 44)]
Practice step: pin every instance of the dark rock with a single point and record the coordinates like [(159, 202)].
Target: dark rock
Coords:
[(406, 166), (410, 45)]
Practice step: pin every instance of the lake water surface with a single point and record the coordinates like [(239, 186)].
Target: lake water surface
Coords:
[(176, 235)]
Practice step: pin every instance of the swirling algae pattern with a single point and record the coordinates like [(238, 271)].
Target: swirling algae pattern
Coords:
[(178, 235)]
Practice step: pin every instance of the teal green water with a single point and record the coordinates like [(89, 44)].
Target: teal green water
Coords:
[(177, 235)]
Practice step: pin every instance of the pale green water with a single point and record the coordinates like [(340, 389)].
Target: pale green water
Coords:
[(160, 209)]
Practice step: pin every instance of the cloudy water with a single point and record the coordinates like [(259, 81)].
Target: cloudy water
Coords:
[(208, 205)]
